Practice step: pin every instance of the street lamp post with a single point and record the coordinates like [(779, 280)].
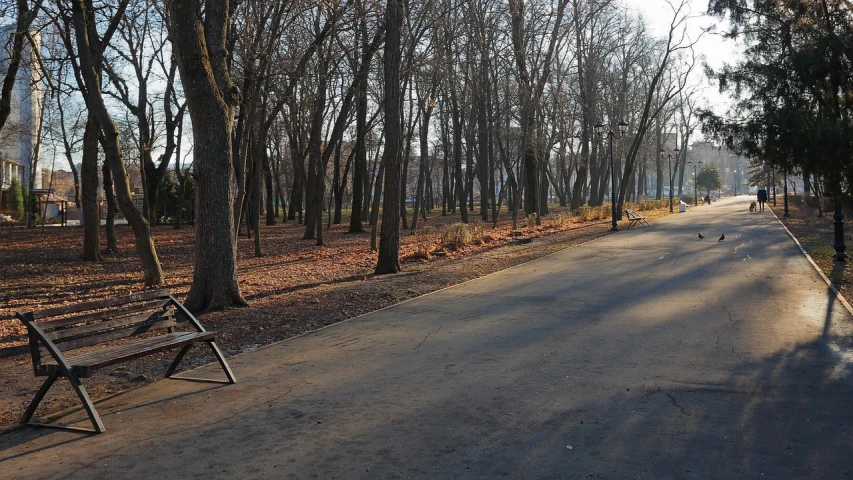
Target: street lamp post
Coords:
[(785, 190), (838, 218), (695, 192), (668, 156), (773, 176), (735, 175), (610, 134)]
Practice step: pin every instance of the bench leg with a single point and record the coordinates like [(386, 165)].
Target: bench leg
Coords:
[(222, 362), (81, 393), (28, 415), (177, 360), (87, 402)]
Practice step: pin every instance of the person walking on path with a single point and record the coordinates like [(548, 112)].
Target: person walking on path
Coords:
[(762, 197)]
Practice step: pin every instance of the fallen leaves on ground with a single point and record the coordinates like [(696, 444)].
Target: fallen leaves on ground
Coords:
[(295, 287)]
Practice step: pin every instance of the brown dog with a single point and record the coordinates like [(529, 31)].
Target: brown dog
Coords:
[(752, 207)]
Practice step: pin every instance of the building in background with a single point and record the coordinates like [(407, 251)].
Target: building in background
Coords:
[(19, 136)]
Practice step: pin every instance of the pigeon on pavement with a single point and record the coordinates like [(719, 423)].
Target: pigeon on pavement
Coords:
[(722, 237), (701, 236)]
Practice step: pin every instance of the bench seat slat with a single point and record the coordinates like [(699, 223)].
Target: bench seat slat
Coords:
[(124, 322), (100, 315), (109, 302), (114, 335), (85, 363)]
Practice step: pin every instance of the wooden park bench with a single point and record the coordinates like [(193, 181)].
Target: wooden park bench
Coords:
[(634, 218), (63, 341)]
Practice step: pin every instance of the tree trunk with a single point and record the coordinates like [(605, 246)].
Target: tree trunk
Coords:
[(272, 209), (374, 208), (459, 181), (112, 242), (179, 208), (199, 44), (89, 182), (360, 168), (359, 175), (259, 146), (389, 242), (483, 136), (426, 106)]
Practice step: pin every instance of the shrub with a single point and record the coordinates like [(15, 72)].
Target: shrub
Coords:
[(16, 199), (456, 236), (654, 204), (585, 213), (478, 230), (814, 202), (558, 220), (424, 242)]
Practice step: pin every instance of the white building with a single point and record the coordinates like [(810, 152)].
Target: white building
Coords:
[(20, 134)]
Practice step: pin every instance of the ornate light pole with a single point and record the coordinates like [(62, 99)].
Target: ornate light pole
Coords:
[(668, 156), (599, 129), (838, 223), (695, 166)]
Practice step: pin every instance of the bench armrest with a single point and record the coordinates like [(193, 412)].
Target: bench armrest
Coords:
[(36, 335), (190, 317)]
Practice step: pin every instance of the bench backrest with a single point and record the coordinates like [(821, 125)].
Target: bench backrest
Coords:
[(85, 324), (631, 213)]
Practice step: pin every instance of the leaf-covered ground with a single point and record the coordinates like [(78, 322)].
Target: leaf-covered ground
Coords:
[(294, 288)]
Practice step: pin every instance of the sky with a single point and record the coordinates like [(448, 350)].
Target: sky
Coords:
[(716, 50)]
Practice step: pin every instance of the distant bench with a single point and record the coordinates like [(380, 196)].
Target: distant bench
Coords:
[(55, 332), (635, 218)]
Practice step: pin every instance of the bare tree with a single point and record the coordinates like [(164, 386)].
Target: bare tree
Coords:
[(86, 35), (199, 39), (389, 243), (676, 42)]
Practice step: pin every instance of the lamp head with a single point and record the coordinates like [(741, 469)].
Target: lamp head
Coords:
[(623, 126), (599, 128)]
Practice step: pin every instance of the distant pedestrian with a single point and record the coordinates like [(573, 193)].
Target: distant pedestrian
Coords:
[(762, 197), (707, 200)]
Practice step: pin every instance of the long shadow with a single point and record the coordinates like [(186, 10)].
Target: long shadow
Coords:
[(837, 274), (531, 415), (24, 434), (304, 286), (785, 415)]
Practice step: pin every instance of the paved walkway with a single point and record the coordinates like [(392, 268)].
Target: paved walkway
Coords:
[(645, 354)]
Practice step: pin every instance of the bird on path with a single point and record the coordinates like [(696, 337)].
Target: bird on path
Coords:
[(722, 237), (701, 236)]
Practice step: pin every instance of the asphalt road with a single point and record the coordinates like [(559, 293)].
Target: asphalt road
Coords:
[(646, 354)]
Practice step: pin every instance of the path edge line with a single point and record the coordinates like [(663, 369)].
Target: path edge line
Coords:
[(826, 279), (304, 334)]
